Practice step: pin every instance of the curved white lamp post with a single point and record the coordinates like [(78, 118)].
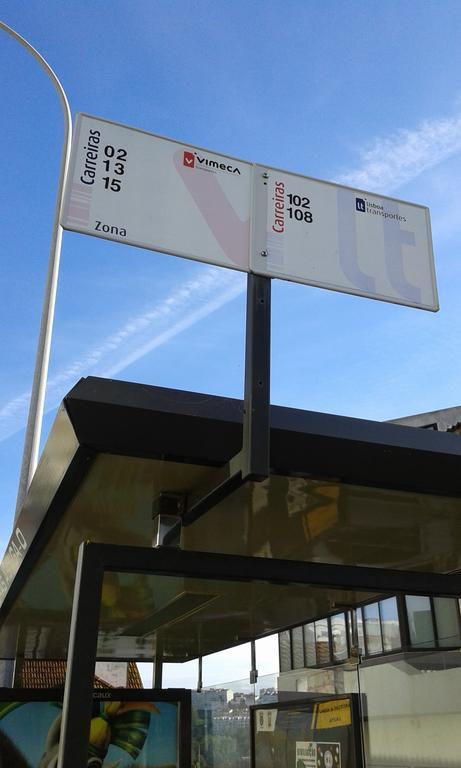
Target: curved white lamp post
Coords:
[(37, 400)]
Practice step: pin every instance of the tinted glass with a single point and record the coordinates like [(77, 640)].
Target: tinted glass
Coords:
[(360, 633), (322, 642), (297, 647), (420, 621), (338, 631), (447, 621), (285, 651), (373, 629), (412, 711), (309, 644), (390, 624)]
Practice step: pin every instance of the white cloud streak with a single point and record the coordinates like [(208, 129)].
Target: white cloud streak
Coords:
[(392, 161), (184, 306)]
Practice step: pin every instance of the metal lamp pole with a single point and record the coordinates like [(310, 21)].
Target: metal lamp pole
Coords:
[(37, 399)]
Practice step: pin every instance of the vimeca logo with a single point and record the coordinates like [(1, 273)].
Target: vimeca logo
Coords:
[(194, 160), (188, 159)]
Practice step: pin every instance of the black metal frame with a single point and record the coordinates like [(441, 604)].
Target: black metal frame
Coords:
[(95, 559)]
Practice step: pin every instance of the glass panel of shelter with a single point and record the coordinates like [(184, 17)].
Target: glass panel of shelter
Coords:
[(394, 624)]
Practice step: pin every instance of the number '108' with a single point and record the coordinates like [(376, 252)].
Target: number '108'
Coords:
[(300, 215)]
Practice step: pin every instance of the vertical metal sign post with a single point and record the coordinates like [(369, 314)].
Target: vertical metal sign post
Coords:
[(255, 447), (37, 398), (252, 462)]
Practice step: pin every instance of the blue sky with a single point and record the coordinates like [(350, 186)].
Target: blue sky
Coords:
[(368, 94)]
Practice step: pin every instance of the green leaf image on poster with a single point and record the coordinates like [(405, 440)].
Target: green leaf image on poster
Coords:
[(123, 734)]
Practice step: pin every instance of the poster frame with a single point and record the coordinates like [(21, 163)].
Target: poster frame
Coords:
[(180, 696), (307, 702)]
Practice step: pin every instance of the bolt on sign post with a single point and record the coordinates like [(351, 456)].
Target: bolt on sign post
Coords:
[(137, 188)]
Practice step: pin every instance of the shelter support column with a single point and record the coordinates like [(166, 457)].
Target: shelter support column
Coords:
[(83, 640)]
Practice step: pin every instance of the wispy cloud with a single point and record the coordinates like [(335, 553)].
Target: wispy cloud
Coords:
[(184, 306), (392, 161)]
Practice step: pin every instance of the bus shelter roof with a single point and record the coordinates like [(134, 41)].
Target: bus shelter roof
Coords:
[(370, 508)]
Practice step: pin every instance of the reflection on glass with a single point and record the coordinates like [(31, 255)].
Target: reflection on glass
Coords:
[(297, 647), (308, 519), (360, 635), (322, 642), (285, 651), (447, 621), (220, 725), (420, 621), (309, 645), (267, 655), (338, 632), (413, 714), (390, 624), (373, 629)]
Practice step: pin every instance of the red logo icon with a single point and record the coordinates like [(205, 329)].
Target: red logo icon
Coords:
[(188, 159)]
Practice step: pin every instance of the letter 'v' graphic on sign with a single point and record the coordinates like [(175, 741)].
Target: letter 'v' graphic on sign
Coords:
[(232, 234)]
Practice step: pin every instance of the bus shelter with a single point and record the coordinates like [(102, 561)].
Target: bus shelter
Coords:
[(137, 543)]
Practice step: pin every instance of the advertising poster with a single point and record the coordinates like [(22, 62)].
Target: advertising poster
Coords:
[(318, 754), (125, 734), (306, 754), (312, 732), (266, 720)]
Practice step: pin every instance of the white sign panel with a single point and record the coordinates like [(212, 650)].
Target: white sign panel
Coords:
[(344, 239), (137, 188)]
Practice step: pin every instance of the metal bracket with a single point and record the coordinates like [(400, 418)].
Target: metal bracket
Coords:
[(167, 525)]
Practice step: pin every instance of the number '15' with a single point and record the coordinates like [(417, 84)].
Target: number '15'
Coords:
[(113, 184)]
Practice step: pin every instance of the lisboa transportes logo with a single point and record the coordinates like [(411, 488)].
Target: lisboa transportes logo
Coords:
[(188, 159), (360, 205)]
